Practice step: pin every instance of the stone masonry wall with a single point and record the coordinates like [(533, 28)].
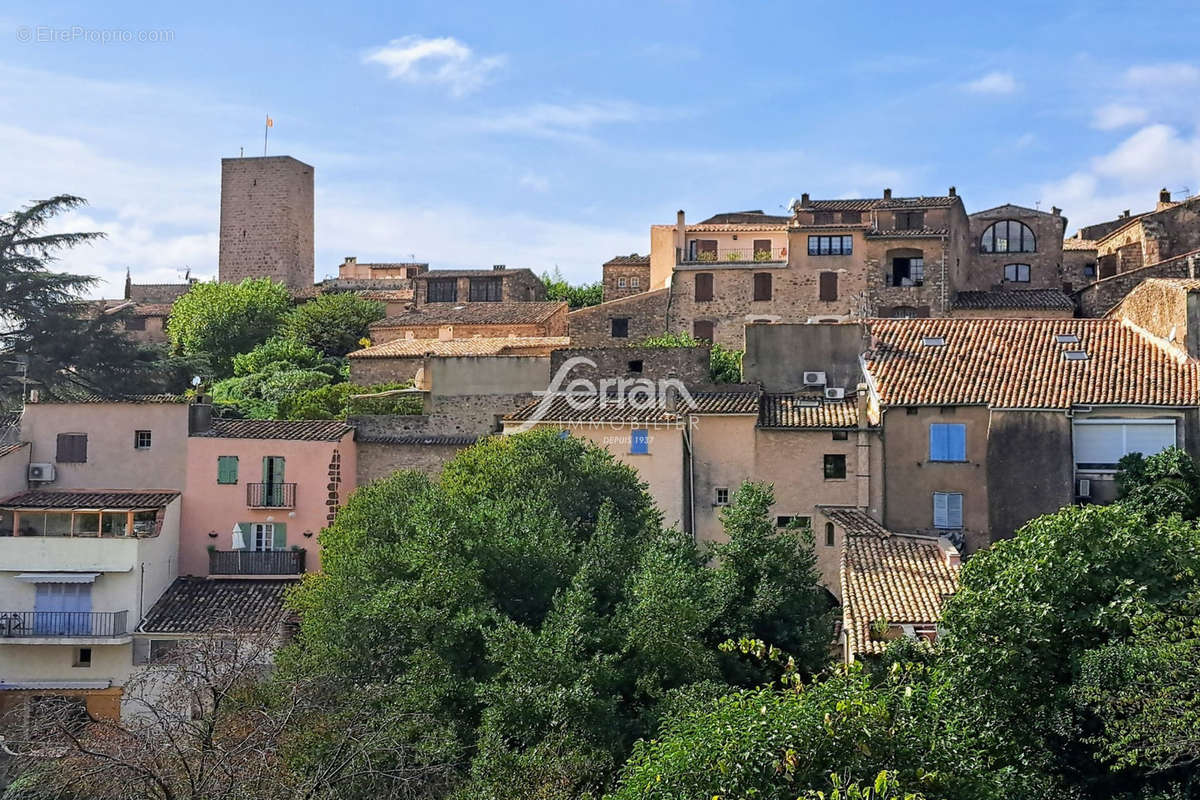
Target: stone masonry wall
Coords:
[(630, 272), (1096, 299), (266, 228), (646, 312), (688, 364), (986, 270)]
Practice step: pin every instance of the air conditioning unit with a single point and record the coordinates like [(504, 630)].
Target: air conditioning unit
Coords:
[(41, 473), (1083, 488), (814, 379), (832, 393)]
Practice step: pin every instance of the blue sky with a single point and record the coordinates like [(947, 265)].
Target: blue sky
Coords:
[(554, 134)]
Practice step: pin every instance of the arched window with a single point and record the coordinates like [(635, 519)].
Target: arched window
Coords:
[(1008, 236), (829, 534)]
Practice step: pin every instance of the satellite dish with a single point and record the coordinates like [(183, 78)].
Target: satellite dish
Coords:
[(792, 203), (196, 380)]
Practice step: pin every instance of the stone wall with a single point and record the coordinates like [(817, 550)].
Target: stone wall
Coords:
[(1166, 310), (555, 326), (986, 270), (267, 221), (380, 459), (777, 356), (1098, 298), (517, 285), (615, 271), (370, 371), (646, 313), (688, 364)]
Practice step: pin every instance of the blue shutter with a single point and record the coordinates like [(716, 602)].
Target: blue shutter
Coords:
[(937, 442), (639, 442), (954, 508), (947, 442)]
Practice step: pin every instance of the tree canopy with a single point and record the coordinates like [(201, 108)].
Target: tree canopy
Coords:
[(585, 294), (724, 365), (222, 320), (333, 324)]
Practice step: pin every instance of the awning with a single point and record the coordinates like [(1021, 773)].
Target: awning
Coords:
[(11, 686), (58, 577)]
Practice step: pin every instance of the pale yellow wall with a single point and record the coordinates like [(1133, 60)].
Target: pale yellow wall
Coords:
[(113, 462), (48, 662), (663, 242), (12, 472)]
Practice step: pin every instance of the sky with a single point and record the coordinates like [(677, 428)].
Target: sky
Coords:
[(552, 135)]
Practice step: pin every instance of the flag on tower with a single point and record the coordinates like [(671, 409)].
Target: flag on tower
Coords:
[(270, 122)]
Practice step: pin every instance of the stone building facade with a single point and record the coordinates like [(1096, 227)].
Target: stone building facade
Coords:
[(689, 365), (266, 228), (626, 275), (440, 287), (1014, 247), (616, 323), (489, 320)]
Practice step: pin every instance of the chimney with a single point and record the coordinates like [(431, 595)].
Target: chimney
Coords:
[(199, 415), (445, 333), (680, 219), (804, 200), (953, 192), (1055, 210), (1125, 214), (887, 194), (950, 552), (1164, 196), (861, 397), (351, 259)]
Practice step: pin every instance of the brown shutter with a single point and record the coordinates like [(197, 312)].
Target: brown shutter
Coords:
[(762, 246), (829, 286), (702, 330), (762, 286), (71, 448), (704, 286)]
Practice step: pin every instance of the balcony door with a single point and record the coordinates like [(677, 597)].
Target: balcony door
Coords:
[(63, 609), (273, 481)]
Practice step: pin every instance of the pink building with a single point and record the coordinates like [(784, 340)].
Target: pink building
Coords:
[(277, 482)]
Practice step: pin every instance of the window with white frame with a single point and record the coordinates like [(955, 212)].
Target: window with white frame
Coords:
[(948, 510), (722, 496), (620, 283), (1101, 443), (262, 536)]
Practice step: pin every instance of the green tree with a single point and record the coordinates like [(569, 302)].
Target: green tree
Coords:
[(65, 345), (333, 324), (270, 377), (724, 365), (1030, 609), (222, 320), (333, 401), (1163, 484), (586, 294)]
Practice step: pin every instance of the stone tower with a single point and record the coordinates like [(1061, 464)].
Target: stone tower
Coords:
[(267, 221)]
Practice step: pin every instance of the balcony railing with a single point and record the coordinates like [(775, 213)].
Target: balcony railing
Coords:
[(95, 624), (271, 495), (256, 562), (734, 255)]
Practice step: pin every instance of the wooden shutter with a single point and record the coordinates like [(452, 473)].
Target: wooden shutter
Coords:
[(762, 246), (227, 469), (279, 542), (71, 448), (704, 287), (940, 517), (762, 286), (702, 330), (829, 286)]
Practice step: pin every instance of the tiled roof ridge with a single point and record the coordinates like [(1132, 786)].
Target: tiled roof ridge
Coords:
[(626, 299), (1170, 349)]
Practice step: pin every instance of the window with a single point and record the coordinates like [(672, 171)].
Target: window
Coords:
[(635, 282), (704, 287), (620, 283), (72, 448), (1089, 270), (762, 249), (1016, 273), (829, 534), (485, 290), (83, 657), (910, 220), (620, 327), (267, 536), (639, 442), (635, 365), (828, 283), (161, 649), (908, 271), (702, 330), (227, 469), (63, 609), (835, 467), (145, 523), (762, 286), (1101, 443), (830, 245), (703, 250), (851, 217), (141, 440), (912, 411), (722, 498), (1008, 236), (135, 324), (947, 510), (441, 290), (841, 436), (822, 217), (947, 441), (790, 520)]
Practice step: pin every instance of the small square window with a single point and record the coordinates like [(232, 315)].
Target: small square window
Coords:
[(635, 283), (635, 365), (722, 498), (841, 436), (620, 327), (639, 442), (83, 657), (912, 411), (620, 283), (141, 440), (835, 467)]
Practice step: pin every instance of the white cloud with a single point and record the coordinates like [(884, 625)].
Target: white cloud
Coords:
[(993, 83), (442, 61), (557, 121), (1156, 152), (1173, 76), (1117, 115)]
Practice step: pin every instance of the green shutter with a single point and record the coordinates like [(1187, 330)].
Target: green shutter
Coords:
[(227, 469), (272, 469), (280, 540)]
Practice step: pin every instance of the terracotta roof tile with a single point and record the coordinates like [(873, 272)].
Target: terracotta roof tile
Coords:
[(505, 313), (305, 430), (870, 203), (479, 346), (736, 227), (906, 233), (418, 439), (148, 399), (743, 401), (1018, 363), (800, 411), (590, 409), (1043, 299), (470, 273), (900, 579), (44, 498), (9, 449), (632, 260), (756, 217), (198, 605)]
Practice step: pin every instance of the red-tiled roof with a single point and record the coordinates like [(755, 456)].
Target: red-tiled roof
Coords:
[(197, 605), (632, 261), (306, 430), (800, 411), (475, 346), (470, 273), (46, 498), (591, 409), (906, 233), (870, 203), (741, 401), (1019, 363), (505, 313), (1041, 299)]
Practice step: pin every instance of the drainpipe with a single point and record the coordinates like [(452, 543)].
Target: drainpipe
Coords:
[(691, 465)]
